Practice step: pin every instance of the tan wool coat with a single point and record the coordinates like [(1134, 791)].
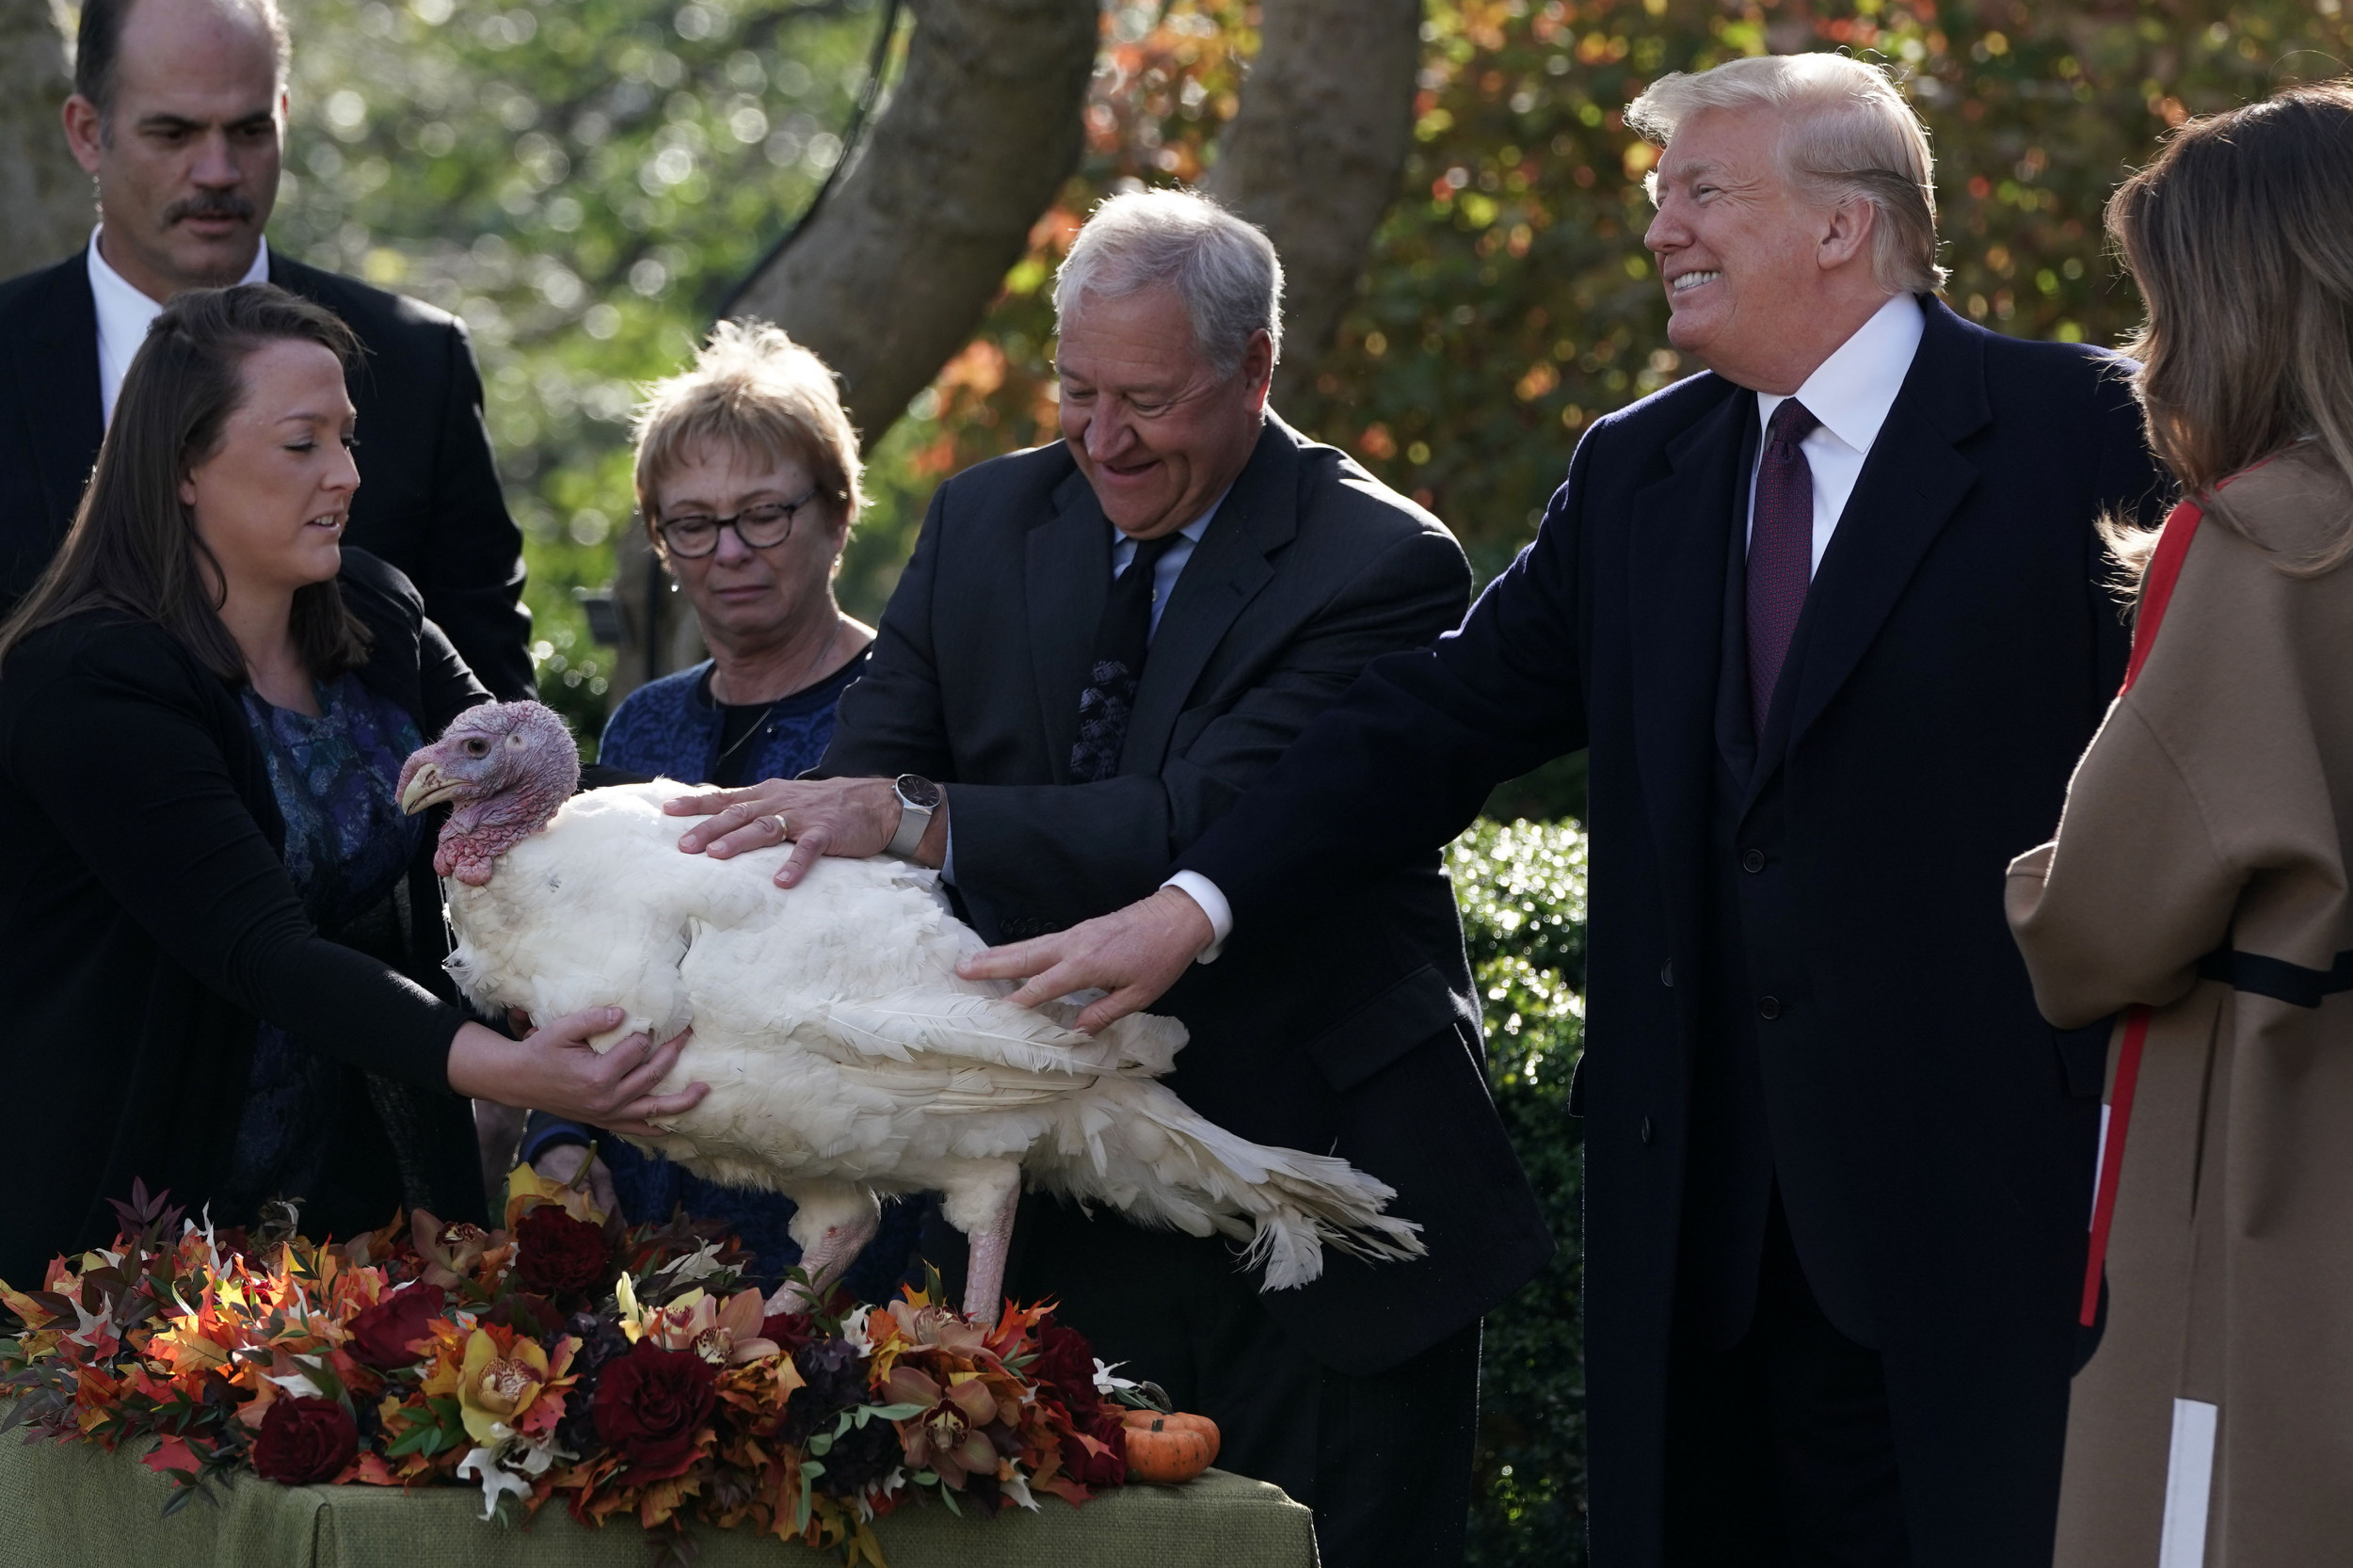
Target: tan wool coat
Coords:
[(2200, 876)]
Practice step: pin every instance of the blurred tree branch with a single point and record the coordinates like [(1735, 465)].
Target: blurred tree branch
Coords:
[(896, 267), (45, 195), (1314, 153)]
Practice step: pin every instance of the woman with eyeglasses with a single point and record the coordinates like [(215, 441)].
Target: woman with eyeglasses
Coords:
[(748, 478)]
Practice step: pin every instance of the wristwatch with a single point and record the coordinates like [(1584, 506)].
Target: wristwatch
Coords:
[(919, 797)]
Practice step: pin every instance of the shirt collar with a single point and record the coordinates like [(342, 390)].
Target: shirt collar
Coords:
[(1851, 391), (121, 300), (1192, 531)]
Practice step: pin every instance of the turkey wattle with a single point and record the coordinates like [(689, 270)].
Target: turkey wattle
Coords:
[(845, 1058)]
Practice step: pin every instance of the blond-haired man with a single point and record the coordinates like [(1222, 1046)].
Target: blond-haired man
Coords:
[(1830, 619)]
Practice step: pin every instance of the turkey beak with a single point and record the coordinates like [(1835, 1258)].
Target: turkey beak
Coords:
[(426, 788)]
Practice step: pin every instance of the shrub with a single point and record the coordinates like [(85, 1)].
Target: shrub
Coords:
[(1521, 888)]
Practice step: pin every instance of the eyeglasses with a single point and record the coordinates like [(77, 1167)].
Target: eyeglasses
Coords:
[(762, 527)]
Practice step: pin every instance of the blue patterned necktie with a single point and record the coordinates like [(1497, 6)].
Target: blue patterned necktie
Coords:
[(1122, 638)]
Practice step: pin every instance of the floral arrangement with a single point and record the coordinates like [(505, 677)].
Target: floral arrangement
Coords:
[(564, 1355)]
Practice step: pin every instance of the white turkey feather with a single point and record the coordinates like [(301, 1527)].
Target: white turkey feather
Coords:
[(845, 1055)]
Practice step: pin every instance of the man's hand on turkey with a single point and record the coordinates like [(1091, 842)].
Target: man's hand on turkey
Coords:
[(1133, 954), (852, 817)]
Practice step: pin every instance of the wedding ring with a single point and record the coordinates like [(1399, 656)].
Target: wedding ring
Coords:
[(778, 821)]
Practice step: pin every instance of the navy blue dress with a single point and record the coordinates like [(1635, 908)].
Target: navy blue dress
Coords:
[(674, 728), (348, 846)]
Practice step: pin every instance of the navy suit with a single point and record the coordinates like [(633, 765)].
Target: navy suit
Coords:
[(1800, 975), (429, 502), (1354, 1031)]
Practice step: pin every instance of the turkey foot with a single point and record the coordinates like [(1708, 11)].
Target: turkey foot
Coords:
[(832, 1226), (983, 1211)]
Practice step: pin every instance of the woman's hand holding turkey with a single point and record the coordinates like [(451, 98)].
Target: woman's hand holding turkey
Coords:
[(848, 817), (556, 1070)]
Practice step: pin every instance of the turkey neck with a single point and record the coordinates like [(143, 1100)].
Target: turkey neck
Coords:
[(479, 831)]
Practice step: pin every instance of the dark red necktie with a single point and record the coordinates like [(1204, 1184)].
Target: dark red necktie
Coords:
[(1781, 551)]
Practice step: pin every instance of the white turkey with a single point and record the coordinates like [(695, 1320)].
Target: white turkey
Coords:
[(845, 1056)]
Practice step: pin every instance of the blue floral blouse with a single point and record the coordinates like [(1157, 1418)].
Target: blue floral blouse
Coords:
[(348, 844)]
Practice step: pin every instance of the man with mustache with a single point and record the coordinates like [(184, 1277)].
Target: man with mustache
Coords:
[(179, 115)]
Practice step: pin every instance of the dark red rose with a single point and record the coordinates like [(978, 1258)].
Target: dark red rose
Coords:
[(304, 1441), (789, 1331), (381, 1336), (648, 1405), (555, 1253), (1092, 1470), (1065, 1364)]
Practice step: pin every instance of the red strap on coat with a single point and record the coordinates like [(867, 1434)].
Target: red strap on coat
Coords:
[(2165, 570)]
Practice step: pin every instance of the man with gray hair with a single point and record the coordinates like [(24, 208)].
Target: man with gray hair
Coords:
[(1833, 620), (1096, 648)]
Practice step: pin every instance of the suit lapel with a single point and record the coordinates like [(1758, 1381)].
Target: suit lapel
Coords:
[(1227, 568), (1911, 484), (1068, 572), (1682, 527), (57, 371)]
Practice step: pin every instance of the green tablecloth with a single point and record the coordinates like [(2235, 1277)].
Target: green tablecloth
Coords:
[(76, 1507)]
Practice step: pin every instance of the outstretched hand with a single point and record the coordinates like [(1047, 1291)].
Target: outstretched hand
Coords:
[(1134, 955), (557, 1071)]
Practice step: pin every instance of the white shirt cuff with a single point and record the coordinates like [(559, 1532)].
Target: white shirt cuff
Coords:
[(1203, 892)]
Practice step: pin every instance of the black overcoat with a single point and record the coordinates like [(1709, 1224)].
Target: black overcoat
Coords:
[(1356, 1031), (1959, 646), (147, 923), (428, 504)]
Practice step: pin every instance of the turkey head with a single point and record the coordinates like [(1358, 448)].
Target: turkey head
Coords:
[(504, 768)]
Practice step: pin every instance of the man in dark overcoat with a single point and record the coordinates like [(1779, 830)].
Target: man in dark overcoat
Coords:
[(179, 115), (1099, 646), (1833, 622)]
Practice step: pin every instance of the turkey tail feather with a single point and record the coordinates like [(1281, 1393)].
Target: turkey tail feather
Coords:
[(1288, 1205)]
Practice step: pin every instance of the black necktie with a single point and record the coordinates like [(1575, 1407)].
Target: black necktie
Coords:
[(1122, 637)]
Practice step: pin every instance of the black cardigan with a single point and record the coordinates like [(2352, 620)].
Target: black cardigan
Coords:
[(146, 922)]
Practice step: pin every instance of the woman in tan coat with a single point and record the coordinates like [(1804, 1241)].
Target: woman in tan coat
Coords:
[(2199, 883)]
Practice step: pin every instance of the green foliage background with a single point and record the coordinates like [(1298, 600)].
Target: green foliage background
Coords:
[(584, 182)]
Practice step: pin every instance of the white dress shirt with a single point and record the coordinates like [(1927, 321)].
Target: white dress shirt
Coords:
[(1850, 393), (124, 316)]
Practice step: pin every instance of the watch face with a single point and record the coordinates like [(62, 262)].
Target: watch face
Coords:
[(918, 791)]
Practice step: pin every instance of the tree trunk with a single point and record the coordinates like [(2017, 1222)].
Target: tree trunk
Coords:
[(1314, 153), (894, 269), (44, 192)]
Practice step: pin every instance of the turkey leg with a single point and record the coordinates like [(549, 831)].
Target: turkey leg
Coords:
[(991, 1239), (832, 1226)]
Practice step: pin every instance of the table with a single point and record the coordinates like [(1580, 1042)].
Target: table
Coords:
[(75, 1506)]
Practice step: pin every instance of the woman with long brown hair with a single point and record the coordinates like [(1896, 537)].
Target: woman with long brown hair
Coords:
[(2199, 885), (219, 936)]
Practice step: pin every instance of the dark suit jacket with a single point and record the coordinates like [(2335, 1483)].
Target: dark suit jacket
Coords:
[(428, 503), (1956, 653), (147, 923), (1357, 1030)]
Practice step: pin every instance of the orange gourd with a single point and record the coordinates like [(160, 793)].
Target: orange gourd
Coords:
[(1168, 1448)]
